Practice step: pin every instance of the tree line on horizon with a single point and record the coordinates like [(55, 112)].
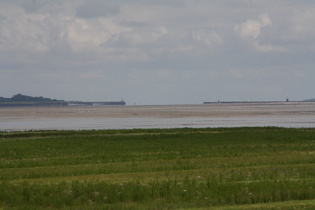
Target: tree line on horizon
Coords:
[(24, 98)]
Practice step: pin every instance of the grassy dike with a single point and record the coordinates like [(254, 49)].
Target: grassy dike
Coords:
[(216, 168)]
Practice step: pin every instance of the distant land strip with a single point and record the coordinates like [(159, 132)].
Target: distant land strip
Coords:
[(20, 100), (253, 102)]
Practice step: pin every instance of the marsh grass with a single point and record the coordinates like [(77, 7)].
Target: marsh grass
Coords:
[(157, 168)]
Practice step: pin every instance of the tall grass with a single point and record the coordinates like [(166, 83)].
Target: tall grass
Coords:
[(186, 193), (156, 168)]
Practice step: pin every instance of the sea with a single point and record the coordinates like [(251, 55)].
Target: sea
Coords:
[(279, 114)]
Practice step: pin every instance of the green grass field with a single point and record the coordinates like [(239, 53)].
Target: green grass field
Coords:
[(216, 168)]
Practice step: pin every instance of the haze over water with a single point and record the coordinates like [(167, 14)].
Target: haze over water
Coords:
[(281, 114)]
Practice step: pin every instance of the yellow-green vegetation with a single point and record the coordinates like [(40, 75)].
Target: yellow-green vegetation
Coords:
[(219, 168)]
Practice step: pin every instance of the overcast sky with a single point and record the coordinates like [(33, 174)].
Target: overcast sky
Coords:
[(158, 51)]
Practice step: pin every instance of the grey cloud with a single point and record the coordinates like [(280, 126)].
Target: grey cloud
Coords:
[(97, 8), (37, 6), (32, 6), (130, 23), (165, 3)]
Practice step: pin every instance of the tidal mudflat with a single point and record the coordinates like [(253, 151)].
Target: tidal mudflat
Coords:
[(281, 114)]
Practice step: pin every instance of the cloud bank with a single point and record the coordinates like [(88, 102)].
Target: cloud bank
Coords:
[(158, 52)]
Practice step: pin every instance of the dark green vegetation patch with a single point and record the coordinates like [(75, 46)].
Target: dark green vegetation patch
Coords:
[(232, 168)]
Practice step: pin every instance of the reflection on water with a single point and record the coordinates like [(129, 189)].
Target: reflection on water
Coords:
[(170, 117)]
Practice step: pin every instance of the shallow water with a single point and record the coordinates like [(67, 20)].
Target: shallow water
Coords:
[(290, 114)]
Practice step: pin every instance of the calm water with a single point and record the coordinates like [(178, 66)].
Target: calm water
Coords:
[(173, 116)]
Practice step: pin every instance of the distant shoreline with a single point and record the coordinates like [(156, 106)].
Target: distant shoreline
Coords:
[(61, 103), (32, 104), (20, 100), (253, 102)]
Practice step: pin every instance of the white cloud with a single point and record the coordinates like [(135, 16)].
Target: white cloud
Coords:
[(209, 39), (143, 36), (23, 34), (251, 30), (83, 35), (265, 20), (43, 32)]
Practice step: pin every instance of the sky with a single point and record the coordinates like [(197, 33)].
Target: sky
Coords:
[(158, 51)]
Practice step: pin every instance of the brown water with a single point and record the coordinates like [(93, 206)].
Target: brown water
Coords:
[(286, 114)]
